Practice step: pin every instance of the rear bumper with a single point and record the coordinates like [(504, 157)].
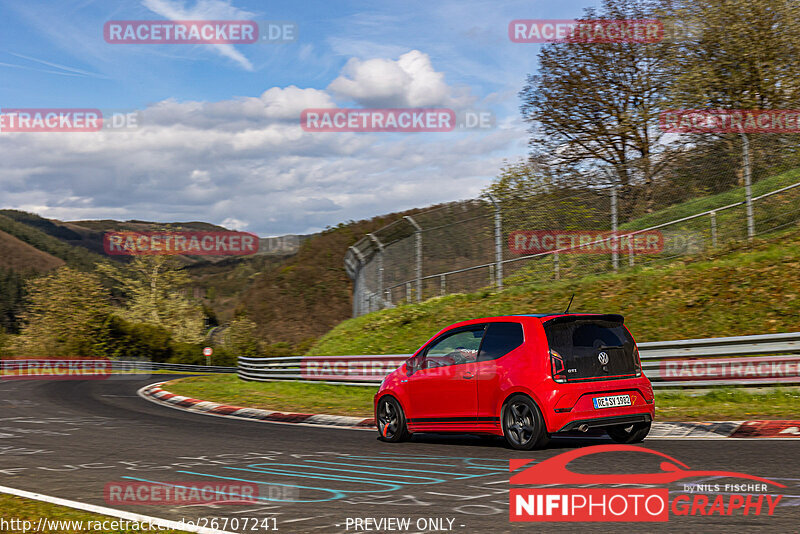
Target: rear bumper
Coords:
[(598, 422), (571, 405)]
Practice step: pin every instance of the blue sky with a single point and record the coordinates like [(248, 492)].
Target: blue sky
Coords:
[(220, 139)]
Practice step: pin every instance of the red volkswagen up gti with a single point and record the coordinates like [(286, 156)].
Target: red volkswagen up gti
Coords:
[(524, 377)]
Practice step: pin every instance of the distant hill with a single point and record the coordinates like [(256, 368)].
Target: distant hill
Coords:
[(16, 255), (295, 289), (46, 236)]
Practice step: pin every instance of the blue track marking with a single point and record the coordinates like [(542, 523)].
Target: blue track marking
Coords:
[(386, 468), (369, 474)]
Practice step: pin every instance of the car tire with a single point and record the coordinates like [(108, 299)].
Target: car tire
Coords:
[(523, 424), (390, 420), (632, 433)]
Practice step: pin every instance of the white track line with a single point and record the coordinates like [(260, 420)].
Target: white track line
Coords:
[(130, 516)]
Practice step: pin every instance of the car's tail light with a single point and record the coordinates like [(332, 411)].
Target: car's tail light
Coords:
[(637, 362), (557, 363)]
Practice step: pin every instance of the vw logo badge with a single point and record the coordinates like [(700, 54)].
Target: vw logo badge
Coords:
[(603, 358)]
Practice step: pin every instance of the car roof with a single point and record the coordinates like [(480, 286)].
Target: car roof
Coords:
[(542, 316)]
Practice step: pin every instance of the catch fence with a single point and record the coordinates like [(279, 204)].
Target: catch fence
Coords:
[(485, 242)]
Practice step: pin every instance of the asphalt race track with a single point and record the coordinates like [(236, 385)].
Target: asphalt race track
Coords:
[(69, 439)]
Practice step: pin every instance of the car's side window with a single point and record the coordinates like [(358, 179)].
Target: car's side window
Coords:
[(500, 339), (452, 349)]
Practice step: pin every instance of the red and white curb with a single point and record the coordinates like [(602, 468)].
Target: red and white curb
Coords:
[(659, 430), (155, 394)]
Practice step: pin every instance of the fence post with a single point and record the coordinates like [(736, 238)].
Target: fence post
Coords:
[(630, 250), (614, 221), (498, 242), (492, 279), (408, 292), (556, 266), (388, 298), (713, 215), (418, 235), (751, 225), (358, 282), (442, 285), (380, 264)]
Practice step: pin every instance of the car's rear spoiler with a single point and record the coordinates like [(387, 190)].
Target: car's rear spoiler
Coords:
[(610, 317)]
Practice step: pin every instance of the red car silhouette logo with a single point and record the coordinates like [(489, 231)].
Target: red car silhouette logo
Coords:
[(554, 470)]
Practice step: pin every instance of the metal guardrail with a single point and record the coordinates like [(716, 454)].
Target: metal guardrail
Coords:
[(769, 359), (134, 366)]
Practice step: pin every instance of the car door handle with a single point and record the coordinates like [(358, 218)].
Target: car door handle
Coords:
[(468, 375)]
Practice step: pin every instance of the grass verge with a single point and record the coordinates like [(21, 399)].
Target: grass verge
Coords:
[(281, 396), (716, 404), (18, 508)]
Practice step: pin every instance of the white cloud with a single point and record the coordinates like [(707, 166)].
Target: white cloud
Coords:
[(247, 164), (205, 10), (234, 224), (411, 81)]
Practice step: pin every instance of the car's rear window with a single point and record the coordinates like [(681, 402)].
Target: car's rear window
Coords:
[(590, 349)]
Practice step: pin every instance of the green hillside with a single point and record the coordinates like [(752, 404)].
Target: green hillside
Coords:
[(710, 202), (737, 291)]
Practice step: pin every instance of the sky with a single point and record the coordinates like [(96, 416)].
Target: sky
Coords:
[(218, 137)]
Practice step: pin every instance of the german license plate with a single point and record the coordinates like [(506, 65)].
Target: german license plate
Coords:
[(611, 402)]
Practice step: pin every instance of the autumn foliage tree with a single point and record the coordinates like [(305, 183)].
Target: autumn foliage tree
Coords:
[(152, 289), (66, 315), (595, 106)]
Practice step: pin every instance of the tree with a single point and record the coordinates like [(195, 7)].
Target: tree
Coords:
[(596, 105), (240, 338), (66, 313), (738, 54), (532, 198), (152, 286), (12, 292)]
